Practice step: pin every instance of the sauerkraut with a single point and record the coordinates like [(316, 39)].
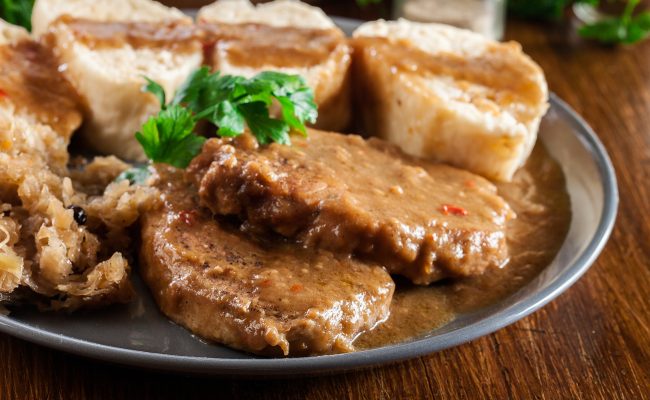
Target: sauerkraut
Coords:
[(62, 260)]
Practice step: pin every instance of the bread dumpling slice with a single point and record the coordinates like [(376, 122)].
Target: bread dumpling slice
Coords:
[(46, 11), (286, 36), (106, 48), (449, 94), (39, 108), (11, 34)]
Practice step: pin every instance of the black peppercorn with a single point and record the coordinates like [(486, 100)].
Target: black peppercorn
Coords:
[(79, 214)]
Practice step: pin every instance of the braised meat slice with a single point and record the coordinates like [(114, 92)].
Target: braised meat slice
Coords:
[(351, 196), (265, 298)]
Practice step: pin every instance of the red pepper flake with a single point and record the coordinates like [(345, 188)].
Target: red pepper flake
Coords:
[(208, 46), (470, 183), (266, 283), (209, 49), (188, 216), (453, 210), (296, 288), (3, 94)]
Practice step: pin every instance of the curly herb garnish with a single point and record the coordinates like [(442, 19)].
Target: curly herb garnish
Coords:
[(232, 103)]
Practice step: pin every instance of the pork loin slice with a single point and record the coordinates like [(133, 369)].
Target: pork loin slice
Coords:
[(339, 192), (263, 298)]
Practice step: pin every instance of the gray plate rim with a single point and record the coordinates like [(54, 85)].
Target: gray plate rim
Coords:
[(372, 357), (365, 358)]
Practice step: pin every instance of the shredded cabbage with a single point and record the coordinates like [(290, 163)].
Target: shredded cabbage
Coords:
[(11, 265)]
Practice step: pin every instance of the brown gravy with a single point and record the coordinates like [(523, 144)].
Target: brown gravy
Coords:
[(538, 195), (269, 45), (178, 35), (362, 197), (30, 80), (499, 67)]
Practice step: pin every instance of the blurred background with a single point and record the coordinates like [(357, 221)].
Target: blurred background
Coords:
[(605, 21)]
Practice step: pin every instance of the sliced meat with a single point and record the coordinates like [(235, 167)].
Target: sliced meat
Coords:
[(421, 220), (272, 299)]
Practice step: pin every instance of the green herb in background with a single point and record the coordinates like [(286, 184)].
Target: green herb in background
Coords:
[(542, 9), (17, 12), (625, 29), (229, 102), (364, 3), (538, 9)]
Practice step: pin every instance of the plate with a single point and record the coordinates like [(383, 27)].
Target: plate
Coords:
[(139, 335)]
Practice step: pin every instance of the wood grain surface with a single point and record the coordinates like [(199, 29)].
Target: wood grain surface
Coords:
[(593, 342)]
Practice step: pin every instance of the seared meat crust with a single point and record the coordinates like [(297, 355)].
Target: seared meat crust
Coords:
[(366, 198), (266, 298)]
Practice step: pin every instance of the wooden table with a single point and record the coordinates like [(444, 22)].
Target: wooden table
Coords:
[(593, 342)]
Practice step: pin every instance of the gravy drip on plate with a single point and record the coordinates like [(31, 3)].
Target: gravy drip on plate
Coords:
[(539, 197)]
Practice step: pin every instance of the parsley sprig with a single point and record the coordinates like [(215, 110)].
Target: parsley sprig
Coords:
[(137, 175), (364, 3), (169, 137), (626, 29), (17, 12), (232, 103)]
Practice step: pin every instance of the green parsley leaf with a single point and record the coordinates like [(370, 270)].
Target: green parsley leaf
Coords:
[(17, 12), (289, 115), (364, 3), (643, 20), (231, 103), (278, 83), (606, 31), (626, 29), (190, 90), (154, 88), (304, 105), (538, 9), (543, 9), (168, 137), (295, 98), (136, 175), (264, 128), (229, 119)]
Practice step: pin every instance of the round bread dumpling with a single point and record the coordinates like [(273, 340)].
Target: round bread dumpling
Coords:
[(285, 36), (449, 94), (47, 11), (106, 49)]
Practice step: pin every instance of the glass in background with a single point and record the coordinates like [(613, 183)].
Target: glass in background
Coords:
[(486, 17)]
